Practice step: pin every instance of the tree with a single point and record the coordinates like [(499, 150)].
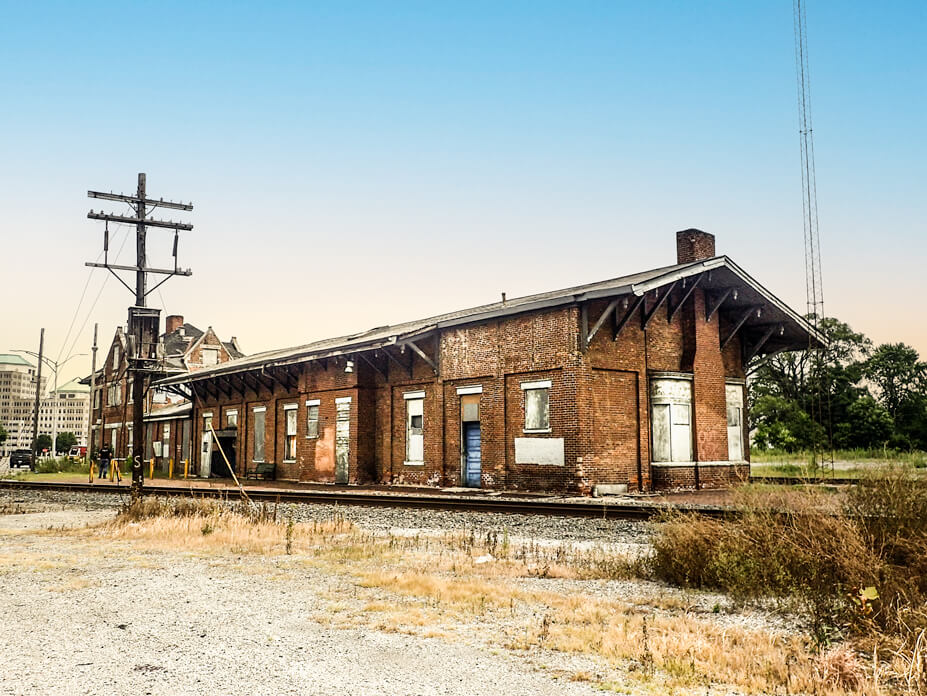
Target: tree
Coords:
[(782, 424), (65, 441), (3, 434), (822, 385), (42, 442), (898, 374), (868, 425)]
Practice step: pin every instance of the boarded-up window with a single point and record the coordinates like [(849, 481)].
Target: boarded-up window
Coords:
[(258, 445), (470, 408), (312, 419), (671, 419), (415, 428), (231, 419), (210, 356), (537, 406), (289, 449)]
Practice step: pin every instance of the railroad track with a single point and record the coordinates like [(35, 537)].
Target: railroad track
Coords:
[(604, 510)]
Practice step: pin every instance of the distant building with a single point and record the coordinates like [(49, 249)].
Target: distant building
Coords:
[(72, 411), (17, 401), (183, 348)]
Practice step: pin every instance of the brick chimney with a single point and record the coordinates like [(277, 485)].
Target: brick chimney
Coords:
[(173, 322), (691, 245)]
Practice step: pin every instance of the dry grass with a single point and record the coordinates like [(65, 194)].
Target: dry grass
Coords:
[(445, 585)]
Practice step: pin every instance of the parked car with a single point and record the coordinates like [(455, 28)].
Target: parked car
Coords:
[(20, 457)]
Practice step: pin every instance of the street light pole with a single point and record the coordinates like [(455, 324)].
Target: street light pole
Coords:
[(53, 366)]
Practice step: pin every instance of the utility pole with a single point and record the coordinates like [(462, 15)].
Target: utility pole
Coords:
[(144, 322), (93, 387), (38, 394)]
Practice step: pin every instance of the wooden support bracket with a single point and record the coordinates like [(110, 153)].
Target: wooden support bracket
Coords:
[(420, 353), (713, 305), (601, 320), (627, 316), (740, 322), (671, 311), (647, 315)]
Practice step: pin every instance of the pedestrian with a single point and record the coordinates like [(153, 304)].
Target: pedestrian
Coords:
[(106, 456)]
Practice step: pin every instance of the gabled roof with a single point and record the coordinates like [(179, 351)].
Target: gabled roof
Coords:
[(179, 341), (176, 342), (796, 332)]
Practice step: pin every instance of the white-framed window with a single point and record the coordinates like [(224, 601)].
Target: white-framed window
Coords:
[(207, 422), (231, 418), (537, 406), (734, 395), (115, 358), (289, 444), (312, 418), (210, 356), (415, 427), (257, 452), (129, 388), (671, 419)]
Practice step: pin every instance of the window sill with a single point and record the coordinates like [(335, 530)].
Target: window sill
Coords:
[(312, 437), (422, 463), (289, 461), (537, 432)]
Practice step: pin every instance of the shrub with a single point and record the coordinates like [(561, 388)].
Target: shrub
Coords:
[(797, 546)]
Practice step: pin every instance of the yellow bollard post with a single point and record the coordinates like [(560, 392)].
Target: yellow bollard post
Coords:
[(186, 467), (112, 469), (151, 468), (91, 472), (170, 468)]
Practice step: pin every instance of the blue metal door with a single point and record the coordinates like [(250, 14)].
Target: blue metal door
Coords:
[(472, 454)]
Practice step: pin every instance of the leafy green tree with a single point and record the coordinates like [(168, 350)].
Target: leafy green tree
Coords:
[(3, 434), (868, 425), (782, 424), (898, 374), (810, 387), (42, 442), (65, 441)]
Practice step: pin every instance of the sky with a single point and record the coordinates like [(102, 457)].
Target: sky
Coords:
[(358, 164)]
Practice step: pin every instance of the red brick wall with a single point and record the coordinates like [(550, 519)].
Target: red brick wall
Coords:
[(709, 401), (599, 400)]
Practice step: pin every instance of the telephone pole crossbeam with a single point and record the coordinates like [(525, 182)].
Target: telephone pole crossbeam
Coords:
[(151, 202), (144, 322)]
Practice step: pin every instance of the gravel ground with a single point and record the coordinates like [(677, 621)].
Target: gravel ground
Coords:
[(402, 520), (276, 625), (205, 627)]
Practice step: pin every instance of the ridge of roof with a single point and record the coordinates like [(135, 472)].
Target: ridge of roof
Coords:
[(635, 283)]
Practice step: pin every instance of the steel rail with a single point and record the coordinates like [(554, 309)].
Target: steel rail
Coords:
[(604, 510)]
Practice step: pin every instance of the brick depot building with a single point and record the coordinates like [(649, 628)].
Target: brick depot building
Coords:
[(634, 382)]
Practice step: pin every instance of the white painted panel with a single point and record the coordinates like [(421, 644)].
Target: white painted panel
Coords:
[(476, 389), (661, 433), (420, 394), (735, 431), (540, 384), (539, 450), (682, 433)]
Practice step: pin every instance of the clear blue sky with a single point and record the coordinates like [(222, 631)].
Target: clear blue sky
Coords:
[(355, 164)]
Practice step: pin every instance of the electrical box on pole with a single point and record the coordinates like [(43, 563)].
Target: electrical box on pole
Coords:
[(143, 353)]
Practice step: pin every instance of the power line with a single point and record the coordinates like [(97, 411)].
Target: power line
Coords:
[(144, 322)]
